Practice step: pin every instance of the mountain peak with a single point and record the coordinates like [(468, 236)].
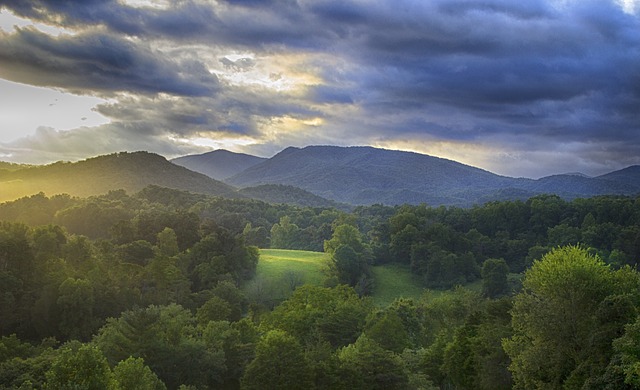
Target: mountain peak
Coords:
[(218, 164)]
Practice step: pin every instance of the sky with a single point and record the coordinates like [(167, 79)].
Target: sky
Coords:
[(520, 88)]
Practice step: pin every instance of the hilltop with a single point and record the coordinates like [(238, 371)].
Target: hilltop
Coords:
[(218, 164), (128, 171)]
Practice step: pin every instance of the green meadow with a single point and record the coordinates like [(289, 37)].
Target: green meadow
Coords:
[(394, 281), (274, 264), (279, 266)]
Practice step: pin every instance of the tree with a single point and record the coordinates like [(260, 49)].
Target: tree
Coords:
[(258, 236), (80, 368), (366, 365), (133, 374), (561, 334), (345, 235), (401, 244), (167, 242), (349, 256), (474, 358), (348, 265), (388, 331), (166, 337), (494, 278), (279, 364), (75, 304), (335, 315), (215, 309), (284, 235)]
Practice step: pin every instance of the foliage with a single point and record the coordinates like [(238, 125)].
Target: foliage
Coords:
[(335, 315), (166, 338), (494, 278), (349, 257), (279, 364), (132, 373), (366, 365), (163, 284), (562, 320), (80, 367)]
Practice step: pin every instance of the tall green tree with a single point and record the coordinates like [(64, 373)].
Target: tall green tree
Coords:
[(366, 365), (75, 304), (494, 278), (280, 363), (133, 374), (562, 335), (334, 315), (347, 235), (349, 257), (81, 367), (285, 234)]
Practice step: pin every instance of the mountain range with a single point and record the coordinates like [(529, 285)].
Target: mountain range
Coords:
[(316, 176), (366, 175), (134, 171)]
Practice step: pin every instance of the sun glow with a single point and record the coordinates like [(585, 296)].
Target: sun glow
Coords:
[(280, 73), (466, 153), (233, 144)]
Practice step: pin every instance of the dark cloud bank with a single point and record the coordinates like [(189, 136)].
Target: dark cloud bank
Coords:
[(555, 86)]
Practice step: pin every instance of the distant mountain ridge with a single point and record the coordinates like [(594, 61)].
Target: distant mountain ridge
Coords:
[(314, 176), (218, 164), (132, 172), (367, 175)]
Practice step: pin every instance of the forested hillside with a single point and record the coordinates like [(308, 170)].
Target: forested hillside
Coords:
[(155, 289), (278, 193), (95, 176)]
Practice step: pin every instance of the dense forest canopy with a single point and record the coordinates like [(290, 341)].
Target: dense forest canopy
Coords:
[(148, 291)]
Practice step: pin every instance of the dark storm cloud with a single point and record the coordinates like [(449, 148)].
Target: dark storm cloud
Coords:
[(98, 62), (521, 74), (239, 23), (330, 94)]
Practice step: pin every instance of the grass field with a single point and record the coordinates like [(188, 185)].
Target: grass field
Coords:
[(276, 266), (393, 281), (275, 263), (279, 268)]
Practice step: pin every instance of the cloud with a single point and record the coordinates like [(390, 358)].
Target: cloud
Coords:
[(98, 62), (239, 65), (543, 82), (48, 144)]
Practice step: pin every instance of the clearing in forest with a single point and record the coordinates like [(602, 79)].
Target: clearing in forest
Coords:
[(282, 266)]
